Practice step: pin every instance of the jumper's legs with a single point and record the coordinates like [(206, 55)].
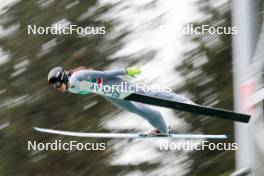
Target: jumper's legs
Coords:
[(152, 116)]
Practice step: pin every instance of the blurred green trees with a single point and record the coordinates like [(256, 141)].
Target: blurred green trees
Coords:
[(27, 100)]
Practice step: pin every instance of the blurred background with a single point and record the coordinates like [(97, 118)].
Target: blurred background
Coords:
[(223, 71)]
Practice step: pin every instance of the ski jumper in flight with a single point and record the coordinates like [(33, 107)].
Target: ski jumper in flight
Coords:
[(69, 81)]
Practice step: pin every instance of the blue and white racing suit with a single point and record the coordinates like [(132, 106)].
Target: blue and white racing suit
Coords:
[(116, 77)]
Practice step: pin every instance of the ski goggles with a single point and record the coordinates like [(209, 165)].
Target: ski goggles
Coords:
[(56, 85)]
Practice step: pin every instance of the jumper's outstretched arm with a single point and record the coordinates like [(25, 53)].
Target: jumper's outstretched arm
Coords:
[(92, 74)]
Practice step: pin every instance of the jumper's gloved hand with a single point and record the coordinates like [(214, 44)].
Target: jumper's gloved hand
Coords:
[(133, 71)]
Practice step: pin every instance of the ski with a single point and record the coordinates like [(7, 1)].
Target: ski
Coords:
[(128, 135), (193, 108)]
